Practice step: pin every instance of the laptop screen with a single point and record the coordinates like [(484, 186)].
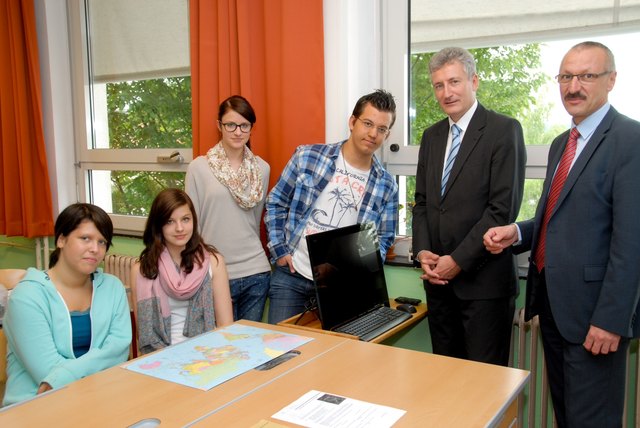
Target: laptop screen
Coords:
[(348, 273)]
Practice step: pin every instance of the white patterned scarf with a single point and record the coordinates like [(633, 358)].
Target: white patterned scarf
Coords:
[(245, 184)]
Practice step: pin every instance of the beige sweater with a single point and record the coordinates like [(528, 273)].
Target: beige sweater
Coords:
[(235, 232)]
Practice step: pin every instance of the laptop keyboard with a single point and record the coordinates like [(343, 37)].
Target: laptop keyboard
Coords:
[(373, 324)]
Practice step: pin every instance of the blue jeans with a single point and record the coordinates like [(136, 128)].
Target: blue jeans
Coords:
[(249, 295), (288, 294)]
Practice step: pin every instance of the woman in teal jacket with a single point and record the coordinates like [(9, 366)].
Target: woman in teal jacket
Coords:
[(71, 320)]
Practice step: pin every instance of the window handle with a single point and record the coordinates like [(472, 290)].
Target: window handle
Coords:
[(174, 157)]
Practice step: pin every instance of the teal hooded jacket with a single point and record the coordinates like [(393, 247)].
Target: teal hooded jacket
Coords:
[(39, 334)]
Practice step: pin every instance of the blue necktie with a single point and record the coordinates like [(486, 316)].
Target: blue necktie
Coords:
[(455, 146)]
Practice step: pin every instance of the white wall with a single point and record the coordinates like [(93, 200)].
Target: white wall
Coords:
[(366, 48), (352, 57), (55, 73)]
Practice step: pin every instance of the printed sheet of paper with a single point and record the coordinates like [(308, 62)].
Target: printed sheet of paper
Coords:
[(215, 357), (318, 409)]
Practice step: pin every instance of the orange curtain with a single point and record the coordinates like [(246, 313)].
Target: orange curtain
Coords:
[(25, 193), (272, 53)]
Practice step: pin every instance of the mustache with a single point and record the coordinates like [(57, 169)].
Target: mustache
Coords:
[(575, 96)]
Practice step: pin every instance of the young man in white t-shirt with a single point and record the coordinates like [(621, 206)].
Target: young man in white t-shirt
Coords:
[(326, 186)]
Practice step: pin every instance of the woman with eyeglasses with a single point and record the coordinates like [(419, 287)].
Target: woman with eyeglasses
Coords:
[(228, 187)]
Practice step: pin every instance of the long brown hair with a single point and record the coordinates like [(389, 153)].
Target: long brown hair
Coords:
[(161, 209)]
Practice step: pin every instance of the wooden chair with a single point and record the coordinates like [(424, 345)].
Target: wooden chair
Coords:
[(9, 278)]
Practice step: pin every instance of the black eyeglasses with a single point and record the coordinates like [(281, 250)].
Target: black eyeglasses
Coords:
[(231, 126), (370, 125), (583, 77)]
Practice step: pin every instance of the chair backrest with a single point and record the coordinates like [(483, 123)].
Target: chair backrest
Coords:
[(9, 278)]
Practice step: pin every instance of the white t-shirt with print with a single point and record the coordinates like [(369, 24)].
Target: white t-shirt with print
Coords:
[(337, 206)]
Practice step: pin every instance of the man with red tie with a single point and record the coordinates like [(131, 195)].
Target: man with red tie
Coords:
[(584, 275)]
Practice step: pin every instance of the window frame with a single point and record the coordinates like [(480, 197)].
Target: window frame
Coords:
[(390, 65), (84, 108), (396, 33), (396, 36), (401, 159)]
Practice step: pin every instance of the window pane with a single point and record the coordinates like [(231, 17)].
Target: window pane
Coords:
[(406, 197), (510, 78), (407, 188), (140, 84), (424, 110), (153, 113), (142, 114), (532, 192), (131, 192)]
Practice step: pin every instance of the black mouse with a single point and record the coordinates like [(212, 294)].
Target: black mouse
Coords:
[(405, 307)]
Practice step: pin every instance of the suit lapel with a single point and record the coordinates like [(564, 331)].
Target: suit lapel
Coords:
[(472, 135), (438, 152), (582, 161)]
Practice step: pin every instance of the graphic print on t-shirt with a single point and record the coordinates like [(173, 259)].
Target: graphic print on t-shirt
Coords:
[(337, 206), (339, 202)]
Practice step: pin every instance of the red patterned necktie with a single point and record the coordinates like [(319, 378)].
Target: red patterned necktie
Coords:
[(556, 187)]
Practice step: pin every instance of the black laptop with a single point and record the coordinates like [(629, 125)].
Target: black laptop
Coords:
[(351, 290)]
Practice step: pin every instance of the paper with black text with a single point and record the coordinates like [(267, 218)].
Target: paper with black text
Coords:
[(317, 409)]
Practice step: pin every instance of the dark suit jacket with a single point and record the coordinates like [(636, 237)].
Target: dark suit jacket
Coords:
[(484, 190), (592, 261)]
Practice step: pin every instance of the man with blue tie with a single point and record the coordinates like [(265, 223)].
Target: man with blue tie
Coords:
[(470, 177), (584, 274)]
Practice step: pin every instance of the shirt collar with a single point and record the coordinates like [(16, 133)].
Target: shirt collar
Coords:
[(463, 123), (588, 126)]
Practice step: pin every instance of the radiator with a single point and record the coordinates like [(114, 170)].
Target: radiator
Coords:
[(120, 266), (534, 405), (526, 354)]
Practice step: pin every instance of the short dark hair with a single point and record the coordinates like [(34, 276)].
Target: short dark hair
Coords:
[(381, 100), (161, 209), (71, 217), (611, 66)]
